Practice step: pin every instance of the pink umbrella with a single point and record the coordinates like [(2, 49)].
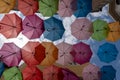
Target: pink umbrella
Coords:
[(81, 29), (81, 53), (10, 54), (91, 72), (32, 26), (67, 7), (64, 56)]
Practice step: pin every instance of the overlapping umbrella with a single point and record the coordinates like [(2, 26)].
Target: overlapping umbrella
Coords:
[(2, 68)]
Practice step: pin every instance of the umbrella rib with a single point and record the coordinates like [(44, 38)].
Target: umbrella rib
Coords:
[(27, 2), (6, 2), (8, 25), (13, 76)]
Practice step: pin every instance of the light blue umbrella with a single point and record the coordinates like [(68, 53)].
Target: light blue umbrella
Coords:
[(107, 52), (1, 68), (53, 29)]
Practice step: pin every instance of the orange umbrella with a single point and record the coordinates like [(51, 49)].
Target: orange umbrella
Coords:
[(51, 54), (10, 25), (6, 5), (114, 33)]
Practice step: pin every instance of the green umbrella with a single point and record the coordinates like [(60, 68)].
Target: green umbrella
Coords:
[(12, 73), (48, 7), (101, 30)]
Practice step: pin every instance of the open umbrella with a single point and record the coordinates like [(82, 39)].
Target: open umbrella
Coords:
[(28, 7), (32, 73), (53, 29), (91, 72), (107, 52), (108, 73), (33, 26), (2, 67), (12, 73), (67, 7), (114, 33), (82, 28), (48, 7), (81, 53), (53, 73), (101, 30), (10, 25), (33, 53), (6, 5), (64, 56), (51, 54), (10, 54)]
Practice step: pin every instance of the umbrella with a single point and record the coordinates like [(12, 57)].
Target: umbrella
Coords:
[(28, 7), (48, 7), (2, 67), (101, 30), (33, 53), (51, 54), (83, 8), (91, 72), (32, 73), (53, 73), (64, 56), (107, 52), (108, 73), (81, 28), (10, 25), (12, 73), (114, 33), (67, 7), (10, 54), (81, 53), (33, 27), (53, 29), (6, 5)]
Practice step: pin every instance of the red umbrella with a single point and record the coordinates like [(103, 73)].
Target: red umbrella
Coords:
[(81, 29), (10, 25), (33, 53), (81, 53), (32, 26), (28, 7), (32, 73), (10, 54)]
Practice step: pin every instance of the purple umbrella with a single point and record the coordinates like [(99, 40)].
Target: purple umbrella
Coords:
[(33, 27), (10, 54)]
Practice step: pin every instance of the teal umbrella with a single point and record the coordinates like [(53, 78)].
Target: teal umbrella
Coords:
[(1, 68)]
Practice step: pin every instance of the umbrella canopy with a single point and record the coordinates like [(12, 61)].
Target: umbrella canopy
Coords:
[(32, 73), (101, 30), (12, 73), (108, 73), (51, 54), (33, 53), (28, 7), (6, 5), (67, 7), (2, 67), (10, 25), (91, 72), (33, 27), (107, 52), (114, 33), (48, 7), (53, 73), (53, 29), (81, 53), (82, 29), (10, 54), (64, 56), (83, 8)]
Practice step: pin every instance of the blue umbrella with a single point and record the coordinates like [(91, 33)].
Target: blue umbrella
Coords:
[(1, 68), (53, 29), (83, 8), (108, 73), (107, 52)]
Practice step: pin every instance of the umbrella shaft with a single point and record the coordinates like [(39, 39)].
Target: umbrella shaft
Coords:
[(7, 25), (7, 56), (6, 2)]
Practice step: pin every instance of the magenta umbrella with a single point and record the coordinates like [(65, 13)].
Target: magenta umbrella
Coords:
[(33, 26), (82, 29), (64, 56), (10, 54), (81, 53)]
